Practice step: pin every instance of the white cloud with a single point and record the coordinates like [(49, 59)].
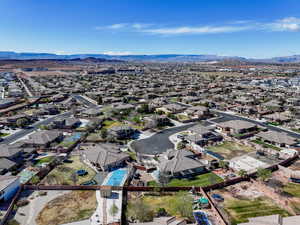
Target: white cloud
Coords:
[(197, 30), (117, 53), (140, 25), (285, 24)]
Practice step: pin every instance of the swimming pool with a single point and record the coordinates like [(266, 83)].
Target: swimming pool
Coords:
[(116, 178)]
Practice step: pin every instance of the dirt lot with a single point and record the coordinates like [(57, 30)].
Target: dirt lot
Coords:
[(71, 207), (62, 173), (230, 149)]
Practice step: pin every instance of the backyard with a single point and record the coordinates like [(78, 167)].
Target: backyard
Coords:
[(70, 207), (64, 174), (239, 210), (229, 149), (200, 180)]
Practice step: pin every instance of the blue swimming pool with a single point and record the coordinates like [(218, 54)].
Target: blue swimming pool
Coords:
[(117, 178)]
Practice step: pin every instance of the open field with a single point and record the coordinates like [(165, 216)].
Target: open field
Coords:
[(71, 207), (240, 210), (200, 180), (62, 173), (230, 149)]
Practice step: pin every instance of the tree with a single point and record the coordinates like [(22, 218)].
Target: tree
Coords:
[(263, 174), (242, 173), (22, 122), (103, 133), (99, 100), (180, 145), (182, 204), (139, 210), (223, 164), (113, 210)]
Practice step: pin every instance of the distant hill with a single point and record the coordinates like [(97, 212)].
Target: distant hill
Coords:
[(145, 58)]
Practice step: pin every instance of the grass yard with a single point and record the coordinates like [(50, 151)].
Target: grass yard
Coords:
[(200, 180), (62, 173), (70, 207), (266, 145), (229, 149), (292, 189), (41, 161), (240, 210), (111, 123), (4, 134), (168, 202)]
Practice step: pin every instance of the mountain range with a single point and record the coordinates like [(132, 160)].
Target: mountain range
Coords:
[(7, 55)]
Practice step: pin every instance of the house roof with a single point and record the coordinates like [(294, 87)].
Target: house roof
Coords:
[(5, 181), (105, 155), (8, 150), (43, 137), (176, 161), (237, 124), (277, 137), (6, 163)]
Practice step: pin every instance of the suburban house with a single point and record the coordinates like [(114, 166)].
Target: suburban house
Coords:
[(277, 138), (6, 165), (198, 112), (66, 123), (9, 185), (121, 132), (202, 136), (156, 121), (237, 127), (180, 163), (172, 108), (105, 157), (277, 117), (44, 138), (92, 112)]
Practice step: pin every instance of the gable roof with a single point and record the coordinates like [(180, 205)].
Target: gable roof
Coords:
[(178, 161), (105, 155), (43, 137)]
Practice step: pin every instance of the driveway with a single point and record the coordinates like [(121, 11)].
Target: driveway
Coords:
[(159, 142)]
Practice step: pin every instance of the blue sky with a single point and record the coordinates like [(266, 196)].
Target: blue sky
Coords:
[(250, 28)]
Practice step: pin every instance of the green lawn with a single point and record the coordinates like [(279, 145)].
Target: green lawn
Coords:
[(200, 180), (293, 189), (229, 149), (47, 159), (240, 210), (4, 134)]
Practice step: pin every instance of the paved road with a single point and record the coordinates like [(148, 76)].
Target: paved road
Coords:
[(226, 117), (84, 101), (34, 127), (158, 143)]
